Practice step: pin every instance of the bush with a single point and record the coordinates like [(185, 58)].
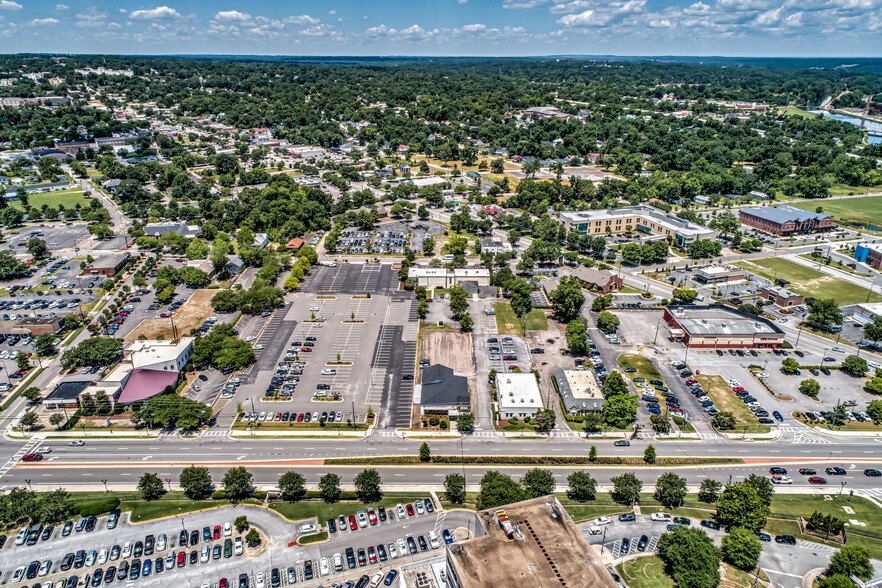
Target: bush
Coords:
[(527, 419), (579, 418), (434, 421), (97, 507)]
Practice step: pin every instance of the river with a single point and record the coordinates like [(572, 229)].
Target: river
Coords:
[(873, 126)]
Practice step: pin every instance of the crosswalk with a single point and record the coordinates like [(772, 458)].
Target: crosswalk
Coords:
[(22, 451), (439, 522), (874, 492), (812, 546), (802, 436), (215, 433)]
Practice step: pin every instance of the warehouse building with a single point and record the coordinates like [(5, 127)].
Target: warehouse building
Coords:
[(720, 327)]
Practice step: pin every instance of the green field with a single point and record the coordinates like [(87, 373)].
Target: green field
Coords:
[(726, 400), (808, 281), (867, 210), (794, 111), (508, 323), (69, 198)]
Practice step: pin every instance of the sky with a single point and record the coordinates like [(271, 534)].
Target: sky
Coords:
[(748, 28)]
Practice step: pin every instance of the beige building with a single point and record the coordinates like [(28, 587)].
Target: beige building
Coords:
[(641, 219), (716, 274), (579, 391), (439, 277), (533, 543)]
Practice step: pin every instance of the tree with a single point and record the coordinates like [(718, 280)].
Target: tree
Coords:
[(195, 481), (615, 384), (241, 523), (458, 300), (538, 482), (292, 485), (825, 312), (37, 248), (22, 362), (521, 302), (874, 386), (544, 419), (763, 486), (581, 486), (709, 491), (498, 489), (56, 419), (32, 393), (852, 559), (567, 299), (425, 452), (100, 231), (685, 295), (874, 409), (809, 387), (44, 344), (466, 322), (150, 486), (856, 366), (619, 411), (649, 454), (873, 330), (28, 421), (592, 454), (329, 487), (724, 420), (454, 488), (577, 336), (367, 485), (466, 421), (740, 505), (253, 537), (692, 557), (789, 366), (607, 321), (626, 488), (429, 245), (670, 489)]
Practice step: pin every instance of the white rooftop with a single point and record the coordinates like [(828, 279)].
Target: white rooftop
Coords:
[(518, 391), (152, 351)]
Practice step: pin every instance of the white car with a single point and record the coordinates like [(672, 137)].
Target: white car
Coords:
[(160, 542), (102, 557), (228, 529), (399, 510), (777, 479), (433, 540), (733, 383), (602, 521), (19, 574), (660, 516), (76, 443), (838, 350), (393, 553), (44, 568), (375, 581), (127, 549), (170, 560), (314, 309), (258, 580), (419, 507), (324, 568), (250, 339), (203, 558), (238, 547), (402, 548), (44, 450), (258, 347)]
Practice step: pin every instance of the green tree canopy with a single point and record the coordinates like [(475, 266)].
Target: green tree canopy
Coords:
[(498, 489), (692, 556)]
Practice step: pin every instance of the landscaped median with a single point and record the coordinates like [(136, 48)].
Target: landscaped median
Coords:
[(716, 389), (528, 460)]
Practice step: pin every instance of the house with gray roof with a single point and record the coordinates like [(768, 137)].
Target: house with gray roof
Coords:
[(442, 392)]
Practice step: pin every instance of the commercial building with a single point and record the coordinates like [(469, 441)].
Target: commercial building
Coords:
[(872, 256), (867, 312), (642, 219), (439, 277), (720, 327), (781, 296), (600, 281), (157, 230), (441, 391), (517, 395), (40, 325), (785, 220), (107, 265), (490, 245), (530, 543), (579, 391), (66, 395), (716, 274)]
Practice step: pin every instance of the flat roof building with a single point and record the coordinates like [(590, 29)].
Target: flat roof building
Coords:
[(870, 255), (785, 220), (642, 219), (715, 274), (530, 543), (867, 312), (39, 325), (107, 264), (517, 395), (442, 392), (439, 277), (579, 391), (720, 327), (781, 296), (66, 395)]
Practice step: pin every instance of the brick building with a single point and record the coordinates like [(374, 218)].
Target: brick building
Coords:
[(785, 220)]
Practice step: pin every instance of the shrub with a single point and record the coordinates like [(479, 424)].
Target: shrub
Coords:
[(434, 421), (526, 419), (97, 507)]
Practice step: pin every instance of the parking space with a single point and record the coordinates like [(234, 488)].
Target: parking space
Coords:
[(507, 352), (382, 240), (58, 236), (418, 231)]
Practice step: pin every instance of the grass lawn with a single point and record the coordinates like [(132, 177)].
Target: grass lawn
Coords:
[(835, 265), (867, 210), (69, 198), (726, 400), (645, 572), (518, 426), (794, 111), (323, 511), (170, 504), (808, 281), (536, 320), (507, 322), (645, 369)]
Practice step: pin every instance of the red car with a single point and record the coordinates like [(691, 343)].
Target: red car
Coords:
[(164, 315), (300, 418), (182, 558), (738, 389), (372, 516), (353, 524), (410, 511), (305, 349), (691, 381), (512, 367), (372, 554), (32, 457), (217, 533), (817, 480), (21, 372)]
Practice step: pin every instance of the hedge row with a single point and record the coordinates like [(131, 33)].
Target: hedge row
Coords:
[(523, 460), (97, 507)]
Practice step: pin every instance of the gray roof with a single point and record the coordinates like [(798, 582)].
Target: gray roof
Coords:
[(717, 320), (785, 213), (590, 275), (440, 387), (69, 390)]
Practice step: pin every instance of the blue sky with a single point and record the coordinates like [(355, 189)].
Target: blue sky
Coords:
[(446, 27)]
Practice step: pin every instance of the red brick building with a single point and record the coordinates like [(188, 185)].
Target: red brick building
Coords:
[(781, 296), (785, 220)]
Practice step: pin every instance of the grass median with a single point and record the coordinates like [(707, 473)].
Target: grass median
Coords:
[(323, 511), (726, 401)]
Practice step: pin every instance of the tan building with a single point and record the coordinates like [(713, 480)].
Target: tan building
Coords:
[(439, 277), (601, 281), (579, 391), (717, 274), (531, 543), (641, 219), (721, 327)]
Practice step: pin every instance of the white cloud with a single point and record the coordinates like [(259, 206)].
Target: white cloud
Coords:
[(158, 13), (303, 19), (522, 4), (322, 30), (583, 19), (91, 19), (462, 1), (61, 7), (332, 12), (768, 17), (794, 19), (9, 5), (232, 16), (43, 22), (473, 28), (661, 23)]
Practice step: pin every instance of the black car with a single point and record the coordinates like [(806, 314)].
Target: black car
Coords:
[(778, 470), (332, 526), (68, 527), (423, 545), (872, 473), (622, 443), (67, 562), (836, 472), (275, 578), (382, 513), (79, 559), (194, 538), (807, 471), (683, 521), (90, 524), (109, 574), (644, 541), (711, 525), (123, 570), (428, 503), (47, 532), (243, 580), (149, 542), (626, 546), (627, 517), (362, 557), (785, 539), (135, 569), (194, 557), (763, 536), (799, 353), (182, 538), (203, 377), (97, 576), (350, 558), (411, 545), (206, 534)]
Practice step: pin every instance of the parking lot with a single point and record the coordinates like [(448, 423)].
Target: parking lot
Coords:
[(418, 231), (209, 557), (58, 236), (380, 241)]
